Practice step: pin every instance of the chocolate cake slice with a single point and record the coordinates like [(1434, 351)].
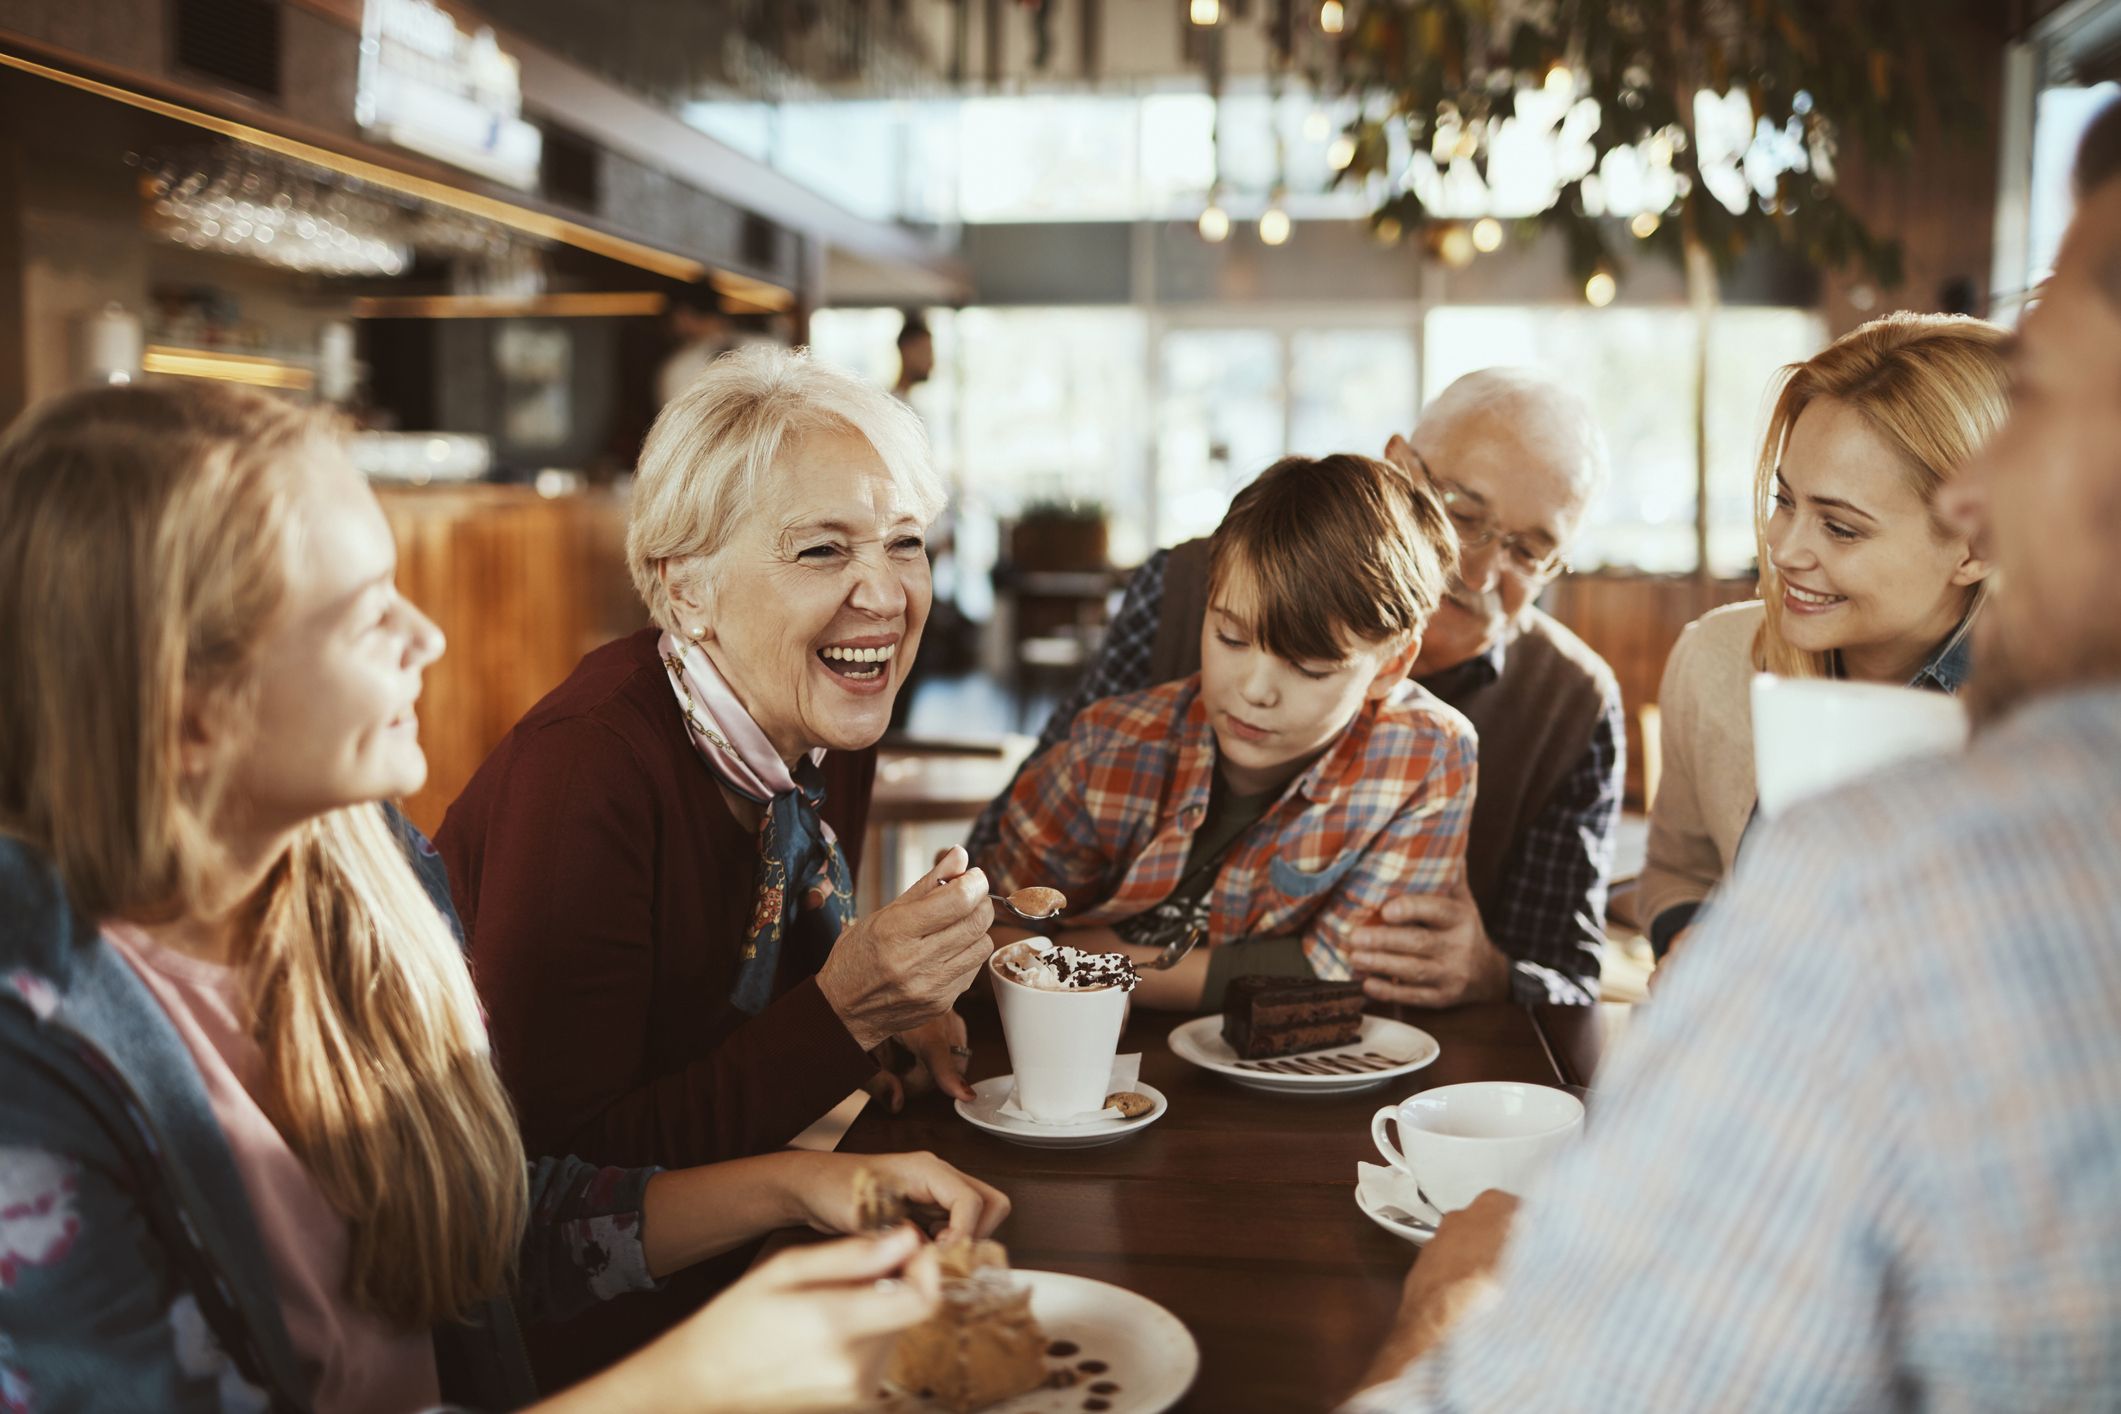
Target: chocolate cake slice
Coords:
[(1279, 1016)]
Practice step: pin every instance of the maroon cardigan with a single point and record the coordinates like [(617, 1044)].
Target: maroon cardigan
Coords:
[(606, 890)]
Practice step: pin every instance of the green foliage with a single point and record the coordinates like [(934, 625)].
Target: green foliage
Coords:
[(1874, 74)]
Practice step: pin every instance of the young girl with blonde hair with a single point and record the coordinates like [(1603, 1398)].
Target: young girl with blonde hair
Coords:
[(253, 1151), (1860, 576)]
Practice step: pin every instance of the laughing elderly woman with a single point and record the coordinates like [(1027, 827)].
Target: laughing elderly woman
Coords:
[(655, 866)]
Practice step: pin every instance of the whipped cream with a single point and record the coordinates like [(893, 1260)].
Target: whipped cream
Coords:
[(1060, 967)]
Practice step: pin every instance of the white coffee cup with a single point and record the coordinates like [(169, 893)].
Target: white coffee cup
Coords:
[(1458, 1141), (1811, 735), (1061, 1043)]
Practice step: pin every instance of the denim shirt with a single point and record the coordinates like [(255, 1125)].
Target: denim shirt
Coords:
[(132, 1274)]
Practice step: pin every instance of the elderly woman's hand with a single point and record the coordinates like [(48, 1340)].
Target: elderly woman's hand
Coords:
[(903, 965)]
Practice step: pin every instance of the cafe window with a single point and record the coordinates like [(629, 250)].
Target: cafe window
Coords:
[(2055, 83)]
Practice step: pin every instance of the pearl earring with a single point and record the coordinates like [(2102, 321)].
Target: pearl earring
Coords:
[(697, 633)]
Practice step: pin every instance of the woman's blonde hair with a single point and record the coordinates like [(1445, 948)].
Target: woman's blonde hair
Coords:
[(1934, 386), (713, 449), (144, 551)]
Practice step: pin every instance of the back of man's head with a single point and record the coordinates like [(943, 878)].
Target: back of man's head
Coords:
[(2048, 490)]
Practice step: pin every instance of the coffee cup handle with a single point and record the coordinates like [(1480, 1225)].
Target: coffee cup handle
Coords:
[(1385, 1146)]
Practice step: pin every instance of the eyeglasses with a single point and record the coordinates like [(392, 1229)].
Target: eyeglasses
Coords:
[(1476, 528)]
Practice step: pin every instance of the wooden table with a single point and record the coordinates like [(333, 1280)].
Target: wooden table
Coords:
[(1236, 1210)]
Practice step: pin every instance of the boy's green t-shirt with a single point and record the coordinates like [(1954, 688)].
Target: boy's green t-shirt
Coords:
[(1228, 816)]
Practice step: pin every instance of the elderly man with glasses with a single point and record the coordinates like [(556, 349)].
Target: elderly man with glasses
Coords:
[(1516, 460)]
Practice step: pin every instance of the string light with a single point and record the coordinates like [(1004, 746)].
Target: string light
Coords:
[(1455, 247), (1274, 224), (1560, 82), (1644, 225), (1340, 152), (1487, 234), (1205, 12), (1600, 289), (1332, 17), (1214, 223)]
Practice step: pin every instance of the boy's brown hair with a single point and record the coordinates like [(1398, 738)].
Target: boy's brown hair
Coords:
[(1336, 546)]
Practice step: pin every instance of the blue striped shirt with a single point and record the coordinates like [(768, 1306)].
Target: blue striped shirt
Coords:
[(1864, 1150)]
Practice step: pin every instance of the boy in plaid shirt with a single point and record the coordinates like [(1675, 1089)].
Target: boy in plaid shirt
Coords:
[(1278, 796)]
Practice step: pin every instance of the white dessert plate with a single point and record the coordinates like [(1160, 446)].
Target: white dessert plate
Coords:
[(984, 1111), (1393, 1047), (1146, 1351), (1377, 1187)]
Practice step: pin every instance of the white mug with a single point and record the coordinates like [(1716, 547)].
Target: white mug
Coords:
[(1813, 734), (1061, 1044), (1458, 1141)]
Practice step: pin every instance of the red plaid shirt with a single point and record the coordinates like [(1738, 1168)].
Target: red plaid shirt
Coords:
[(1108, 815)]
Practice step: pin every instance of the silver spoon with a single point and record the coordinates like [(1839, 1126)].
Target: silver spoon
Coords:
[(1027, 903), (1172, 952), (1401, 1215)]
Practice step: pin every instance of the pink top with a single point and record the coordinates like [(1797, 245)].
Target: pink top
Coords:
[(359, 1361)]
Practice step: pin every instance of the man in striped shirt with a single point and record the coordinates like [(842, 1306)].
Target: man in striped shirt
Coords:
[(1865, 1149)]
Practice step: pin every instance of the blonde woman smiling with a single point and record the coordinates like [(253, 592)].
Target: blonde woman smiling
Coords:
[(253, 1151), (1860, 576)]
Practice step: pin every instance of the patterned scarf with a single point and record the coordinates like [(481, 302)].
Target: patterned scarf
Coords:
[(795, 843)]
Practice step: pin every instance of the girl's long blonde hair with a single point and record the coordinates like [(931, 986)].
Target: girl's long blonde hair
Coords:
[(144, 550), (1934, 386)]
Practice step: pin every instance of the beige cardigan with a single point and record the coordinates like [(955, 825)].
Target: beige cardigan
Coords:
[(1706, 794)]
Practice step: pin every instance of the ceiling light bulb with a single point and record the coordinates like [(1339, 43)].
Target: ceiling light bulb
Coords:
[(1214, 223), (1332, 17), (1456, 247), (1600, 289), (1206, 12), (1487, 234), (1274, 225), (1644, 225), (1340, 152)]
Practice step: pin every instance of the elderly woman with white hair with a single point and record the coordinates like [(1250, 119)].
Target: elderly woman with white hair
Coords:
[(655, 866)]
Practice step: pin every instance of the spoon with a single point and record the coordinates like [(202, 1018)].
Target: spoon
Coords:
[(1401, 1215), (1172, 952), (1034, 905)]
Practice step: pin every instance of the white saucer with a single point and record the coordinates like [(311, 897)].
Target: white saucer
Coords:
[(1366, 1200), (1201, 1042), (1147, 1351), (984, 1112)]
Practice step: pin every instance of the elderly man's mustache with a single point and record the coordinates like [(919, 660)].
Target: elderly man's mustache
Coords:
[(1484, 605)]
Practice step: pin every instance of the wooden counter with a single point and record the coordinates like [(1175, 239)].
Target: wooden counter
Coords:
[(522, 586)]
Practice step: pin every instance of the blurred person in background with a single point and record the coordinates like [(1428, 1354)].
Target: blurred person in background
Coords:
[(701, 330)]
